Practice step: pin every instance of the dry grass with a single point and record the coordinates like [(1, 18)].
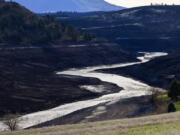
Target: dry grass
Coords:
[(165, 124)]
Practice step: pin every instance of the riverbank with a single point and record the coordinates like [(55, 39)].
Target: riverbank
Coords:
[(127, 108)]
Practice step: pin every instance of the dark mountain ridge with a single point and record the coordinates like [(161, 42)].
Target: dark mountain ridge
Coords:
[(141, 28), (146, 17)]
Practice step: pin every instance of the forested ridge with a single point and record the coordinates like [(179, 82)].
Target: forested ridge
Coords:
[(18, 25)]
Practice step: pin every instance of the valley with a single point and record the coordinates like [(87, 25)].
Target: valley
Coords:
[(59, 68)]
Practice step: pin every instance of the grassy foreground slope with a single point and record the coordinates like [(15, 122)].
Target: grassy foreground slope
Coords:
[(166, 124)]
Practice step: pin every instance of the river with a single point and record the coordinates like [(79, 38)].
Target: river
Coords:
[(131, 88)]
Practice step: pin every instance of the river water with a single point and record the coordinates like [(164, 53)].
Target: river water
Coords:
[(132, 88)]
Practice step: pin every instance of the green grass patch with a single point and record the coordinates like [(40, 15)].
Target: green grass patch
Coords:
[(164, 97), (177, 105), (157, 129)]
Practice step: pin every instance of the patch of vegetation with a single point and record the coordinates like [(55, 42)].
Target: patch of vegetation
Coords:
[(177, 105), (174, 94), (173, 97), (164, 97)]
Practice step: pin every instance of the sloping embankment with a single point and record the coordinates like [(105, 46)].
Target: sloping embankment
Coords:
[(165, 124)]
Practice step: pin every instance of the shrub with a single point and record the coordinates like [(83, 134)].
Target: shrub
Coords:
[(11, 121), (171, 107)]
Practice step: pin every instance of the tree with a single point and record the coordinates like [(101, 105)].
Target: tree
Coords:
[(11, 121), (174, 90)]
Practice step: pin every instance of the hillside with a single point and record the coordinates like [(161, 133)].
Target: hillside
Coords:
[(141, 28), (19, 26), (28, 79), (158, 72), (166, 124), (42, 6)]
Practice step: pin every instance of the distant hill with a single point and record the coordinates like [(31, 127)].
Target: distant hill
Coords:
[(68, 5), (147, 21), (20, 26), (147, 26)]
